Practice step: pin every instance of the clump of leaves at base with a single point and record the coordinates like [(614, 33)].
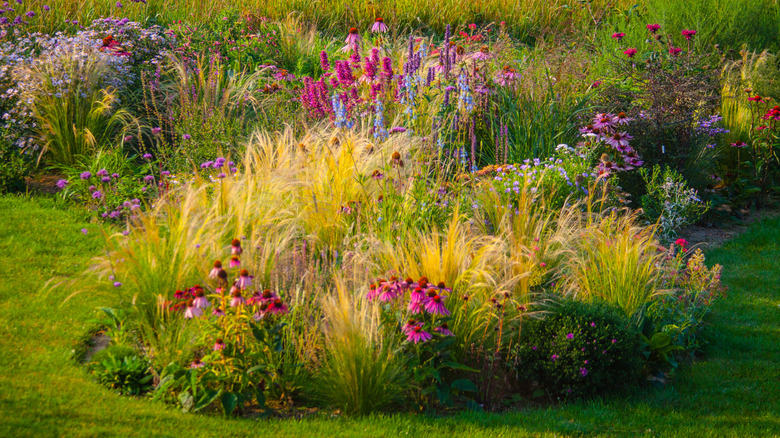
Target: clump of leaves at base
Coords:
[(119, 370)]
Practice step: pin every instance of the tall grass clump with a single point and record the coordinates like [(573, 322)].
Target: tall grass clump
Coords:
[(75, 110), (617, 261), (754, 73), (363, 371)]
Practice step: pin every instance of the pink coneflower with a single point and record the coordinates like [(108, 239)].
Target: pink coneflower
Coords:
[(407, 284), (409, 326), (507, 76), (219, 345), (234, 261), (237, 299), (623, 119), (739, 144), (688, 34), (417, 334), (200, 300), (436, 306), (192, 311), (483, 54), (197, 364), (218, 312), (603, 121), (353, 41), (379, 26), (179, 294), (619, 140), (442, 288), (630, 52), (415, 307), (235, 247), (373, 292), (387, 293), (215, 270), (444, 330), (653, 28), (674, 51), (244, 279), (268, 296), (618, 35), (755, 98), (277, 307)]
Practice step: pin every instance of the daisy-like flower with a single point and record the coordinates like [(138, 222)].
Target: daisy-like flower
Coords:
[(234, 261), (442, 288), (417, 334), (507, 76), (197, 364), (219, 344), (200, 300), (379, 26), (267, 296), (417, 295), (244, 279), (409, 326), (215, 270), (630, 52), (739, 144), (372, 292), (622, 118), (388, 293), (235, 247), (603, 121), (353, 41), (444, 330), (436, 306), (218, 312), (192, 311), (483, 54), (277, 307), (619, 140), (415, 307), (237, 299), (179, 294)]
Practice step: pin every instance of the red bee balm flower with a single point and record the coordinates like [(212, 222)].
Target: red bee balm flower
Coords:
[(688, 34), (630, 52)]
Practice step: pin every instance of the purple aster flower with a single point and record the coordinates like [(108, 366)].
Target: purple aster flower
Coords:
[(46, 8), (584, 372), (157, 130), (105, 179), (117, 284), (62, 183), (570, 336), (97, 194), (147, 156), (84, 230), (86, 175), (186, 137)]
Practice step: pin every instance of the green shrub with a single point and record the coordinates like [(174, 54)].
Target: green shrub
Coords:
[(14, 169), (129, 374), (580, 349), (669, 201), (117, 351)]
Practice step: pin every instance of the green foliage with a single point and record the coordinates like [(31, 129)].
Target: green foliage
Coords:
[(16, 166), (118, 352), (127, 374), (669, 202), (580, 350)]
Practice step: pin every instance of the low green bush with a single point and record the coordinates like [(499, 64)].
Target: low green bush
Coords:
[(119, 370), (580, 350)]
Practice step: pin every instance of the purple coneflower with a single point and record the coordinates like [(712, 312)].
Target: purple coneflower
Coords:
[(417, 334), (218, 312), (277, 307), (436, 306), (387, 293), (234, 261), (215, 270), (192, 311), (235, 247), (379, 26), (622, 118), (619, 140), (353, 41), (237, 299), (603, 121), (409, 326), (483, 54), (219, 345), (444, 330), (739, 144), (373, 292), (244, 279), (200, 300), (197, 364)]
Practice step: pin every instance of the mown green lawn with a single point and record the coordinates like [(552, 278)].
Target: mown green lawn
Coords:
[(733, 391)]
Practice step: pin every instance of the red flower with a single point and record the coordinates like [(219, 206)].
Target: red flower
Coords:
[(630, 52)]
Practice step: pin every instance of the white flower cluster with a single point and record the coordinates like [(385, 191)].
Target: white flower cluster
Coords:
[(679, 202)]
